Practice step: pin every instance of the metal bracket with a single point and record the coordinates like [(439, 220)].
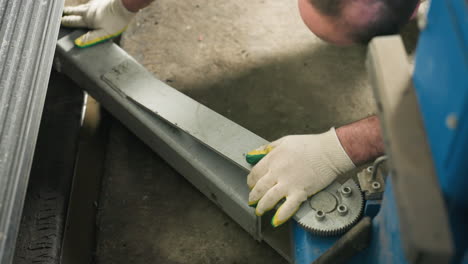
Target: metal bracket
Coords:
[(371, 180)]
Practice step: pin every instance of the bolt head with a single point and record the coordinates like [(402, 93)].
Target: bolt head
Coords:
[(346, 191), (320, 215), (376, 185), (452, 121), (342, 210)]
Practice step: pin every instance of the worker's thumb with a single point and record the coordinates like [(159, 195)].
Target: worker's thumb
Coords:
[(94, 37), (288, 208)]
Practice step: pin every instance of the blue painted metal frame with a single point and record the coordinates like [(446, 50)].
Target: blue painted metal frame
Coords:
[(386, 246), (441, 83), (307, 247)]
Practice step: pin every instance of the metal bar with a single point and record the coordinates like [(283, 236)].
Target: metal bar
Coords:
[(215, 131), (28, 33), (200, 144), (424, 225)]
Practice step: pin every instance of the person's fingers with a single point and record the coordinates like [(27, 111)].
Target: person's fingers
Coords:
[(270, 199), (288, 208), (76, 10), (255, 156), (262, 186), (257, 172), (95, 37), (73, 21)]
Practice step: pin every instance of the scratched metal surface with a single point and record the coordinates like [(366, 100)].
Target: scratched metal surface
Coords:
[(28, 33)]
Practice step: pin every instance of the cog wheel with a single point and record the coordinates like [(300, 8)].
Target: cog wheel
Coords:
[(332, 211)]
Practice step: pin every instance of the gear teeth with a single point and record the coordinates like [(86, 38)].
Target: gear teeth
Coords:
[(341, 229)]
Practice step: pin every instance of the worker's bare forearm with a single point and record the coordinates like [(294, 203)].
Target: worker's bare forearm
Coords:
[(135, 5), (362, 140)]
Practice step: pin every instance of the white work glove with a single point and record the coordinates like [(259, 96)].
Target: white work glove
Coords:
[(295, 168), (107, 18)]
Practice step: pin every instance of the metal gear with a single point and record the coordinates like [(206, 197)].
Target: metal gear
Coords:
[(332, 211)]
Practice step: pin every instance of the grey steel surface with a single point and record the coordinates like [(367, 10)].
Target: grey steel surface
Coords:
[(213, 130), (28, 33), (423, 217), (222, 178), (329, 201)]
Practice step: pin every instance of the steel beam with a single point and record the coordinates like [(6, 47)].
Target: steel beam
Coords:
[(28, 34), (205, 147)]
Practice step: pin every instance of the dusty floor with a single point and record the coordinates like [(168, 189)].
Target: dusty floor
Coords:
[(252, 61)]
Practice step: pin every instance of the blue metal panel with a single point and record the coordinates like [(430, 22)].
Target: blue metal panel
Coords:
[(386, 246), (442, 87), (372, 208), (458, 8), (307, 247), (441, 82)]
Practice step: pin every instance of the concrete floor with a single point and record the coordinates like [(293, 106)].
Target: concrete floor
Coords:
[(252, 61), (150, 214)]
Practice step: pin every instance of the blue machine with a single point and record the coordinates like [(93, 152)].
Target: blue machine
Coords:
[(440, 81)]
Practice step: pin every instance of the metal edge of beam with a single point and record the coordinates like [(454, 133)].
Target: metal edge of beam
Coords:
[(215, 131), (424, 222), (28, 33), (214, 169)]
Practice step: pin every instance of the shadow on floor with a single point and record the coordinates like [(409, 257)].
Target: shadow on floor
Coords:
[(307, 92)]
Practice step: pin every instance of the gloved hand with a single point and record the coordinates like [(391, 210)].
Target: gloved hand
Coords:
[(107, 18), (295, 168)]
